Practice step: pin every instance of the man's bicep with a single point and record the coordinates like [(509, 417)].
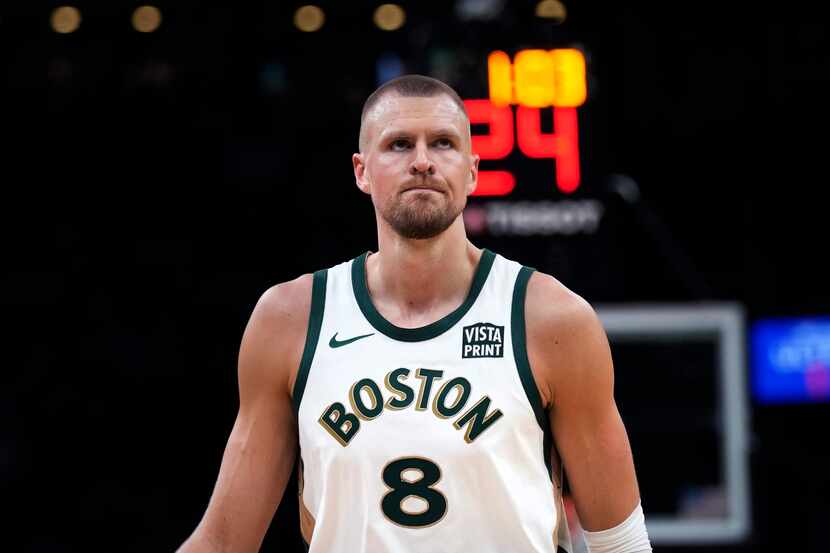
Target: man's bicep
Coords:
[(589, 430), (572, 359), (261, 449)]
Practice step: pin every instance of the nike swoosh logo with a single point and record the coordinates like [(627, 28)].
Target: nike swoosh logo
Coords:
[(335, 343)]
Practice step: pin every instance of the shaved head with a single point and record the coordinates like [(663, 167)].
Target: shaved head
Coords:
[(416, 159), (407, 86)]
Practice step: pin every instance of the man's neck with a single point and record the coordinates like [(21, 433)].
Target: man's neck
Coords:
[(416, 282)]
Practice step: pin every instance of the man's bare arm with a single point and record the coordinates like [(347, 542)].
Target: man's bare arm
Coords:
[(261, 449), (571, 361)]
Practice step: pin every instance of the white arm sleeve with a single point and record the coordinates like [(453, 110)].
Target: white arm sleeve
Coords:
[(630, 536)]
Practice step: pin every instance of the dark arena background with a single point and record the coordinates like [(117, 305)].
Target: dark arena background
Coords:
[(164, 164)]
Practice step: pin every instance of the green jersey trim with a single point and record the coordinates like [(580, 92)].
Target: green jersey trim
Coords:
[(361, 293), (519, 335), (315, 321)]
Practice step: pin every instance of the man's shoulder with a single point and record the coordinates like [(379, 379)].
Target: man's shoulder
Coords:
[(289, 302), (286, 304), (564, 333), (274, 338), (551, 304)]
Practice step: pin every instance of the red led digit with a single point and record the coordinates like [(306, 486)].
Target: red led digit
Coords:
[(495, 183), (497, 144), (561, 145), (499, 141)]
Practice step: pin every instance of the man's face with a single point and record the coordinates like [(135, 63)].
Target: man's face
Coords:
[(416, 163)]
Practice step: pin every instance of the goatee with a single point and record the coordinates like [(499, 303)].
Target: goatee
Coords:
[(420, 219)]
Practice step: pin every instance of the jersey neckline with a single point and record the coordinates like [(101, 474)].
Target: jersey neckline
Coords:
[(364, 301)]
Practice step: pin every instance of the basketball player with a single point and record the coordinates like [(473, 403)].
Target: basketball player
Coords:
[(431, 386)]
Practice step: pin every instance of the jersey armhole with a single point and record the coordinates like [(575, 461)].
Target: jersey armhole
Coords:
[(315, 321), (519, 337)]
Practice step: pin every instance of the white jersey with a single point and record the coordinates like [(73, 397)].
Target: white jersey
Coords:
[(430, 439)]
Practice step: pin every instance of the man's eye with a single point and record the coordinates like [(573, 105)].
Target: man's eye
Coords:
[(443, 143), (399, 145)]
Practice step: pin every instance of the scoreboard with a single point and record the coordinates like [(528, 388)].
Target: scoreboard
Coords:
[(536, 79)]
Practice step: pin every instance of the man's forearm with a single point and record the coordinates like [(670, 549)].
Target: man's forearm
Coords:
[(200, 542)]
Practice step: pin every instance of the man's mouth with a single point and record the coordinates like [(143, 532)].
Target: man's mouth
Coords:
[(423, 189)]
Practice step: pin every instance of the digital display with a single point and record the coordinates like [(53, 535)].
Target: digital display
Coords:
[(536, 79), (791, 360)]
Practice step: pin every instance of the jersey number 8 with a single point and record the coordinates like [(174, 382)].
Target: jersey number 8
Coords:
[(401, 489)]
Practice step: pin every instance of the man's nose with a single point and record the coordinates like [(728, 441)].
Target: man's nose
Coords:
[(421, 164)]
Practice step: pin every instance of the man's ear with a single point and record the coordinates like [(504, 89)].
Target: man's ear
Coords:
[(360, 176), (473, 182)]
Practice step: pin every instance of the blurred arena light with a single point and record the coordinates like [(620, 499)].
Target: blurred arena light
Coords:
[(146, 19), (553, 10), (389, 17), (309, 18), (388, 66), (65, 19), (484, 10)]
